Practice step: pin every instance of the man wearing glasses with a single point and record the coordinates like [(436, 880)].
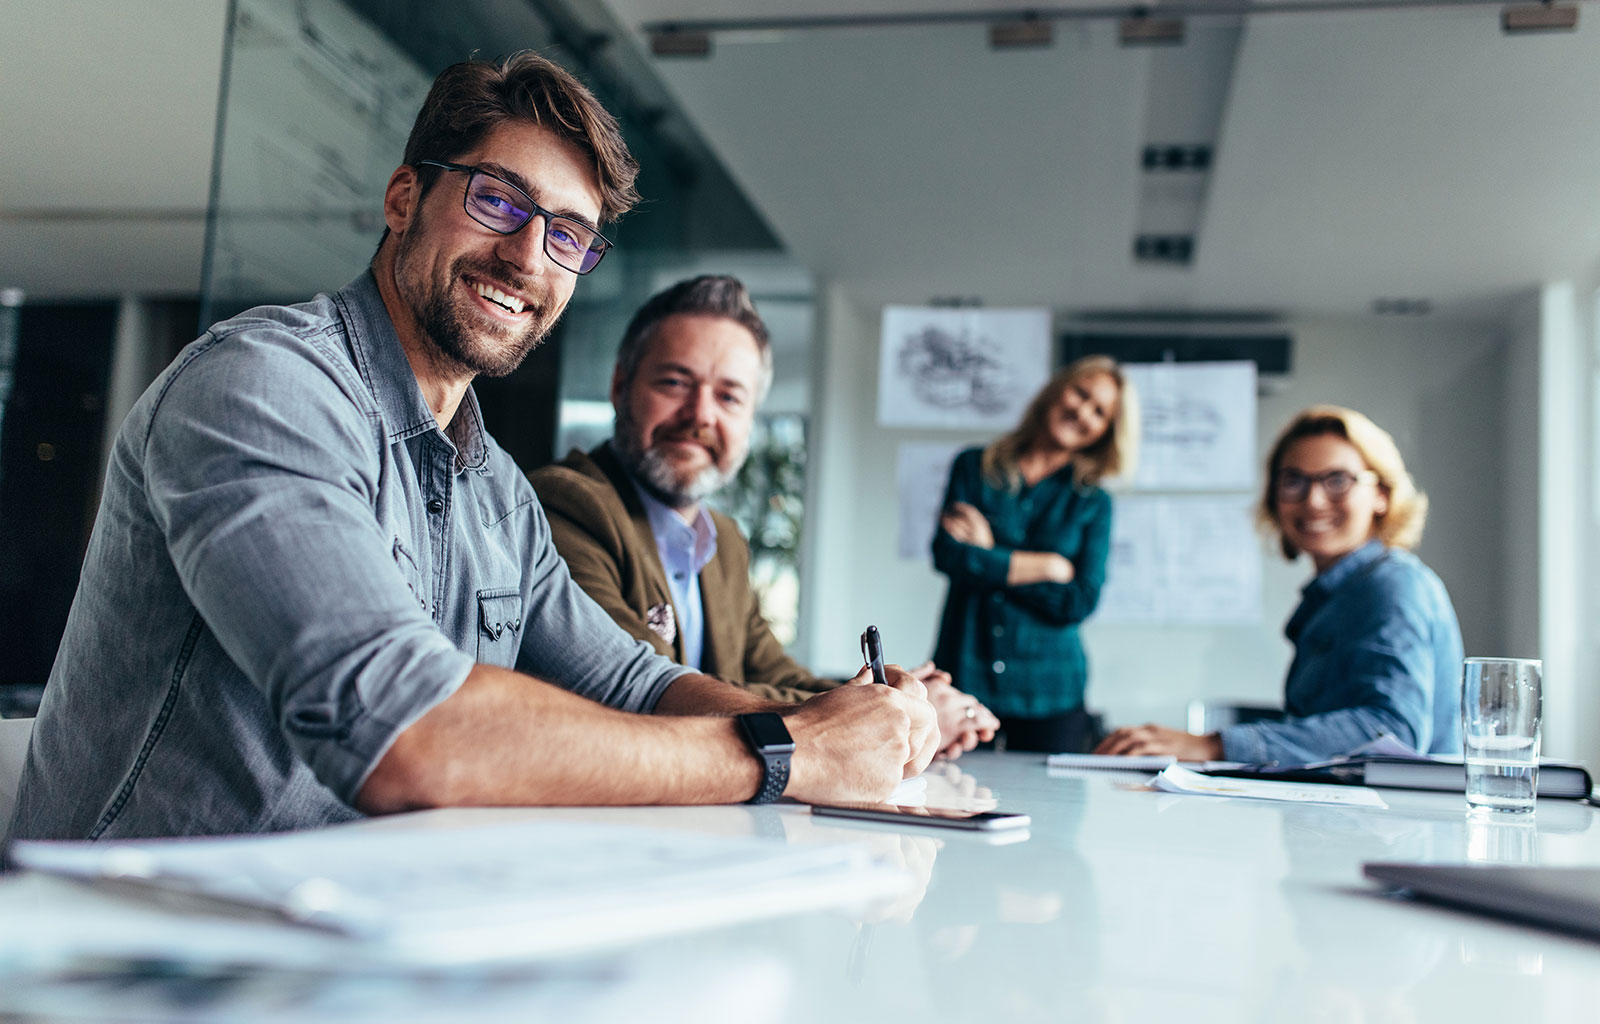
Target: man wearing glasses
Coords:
[(317, 588)]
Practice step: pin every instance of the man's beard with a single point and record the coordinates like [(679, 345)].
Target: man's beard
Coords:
[(658, 476), (469, 343)]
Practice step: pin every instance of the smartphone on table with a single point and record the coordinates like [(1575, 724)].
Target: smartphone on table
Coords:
[(939, 817)]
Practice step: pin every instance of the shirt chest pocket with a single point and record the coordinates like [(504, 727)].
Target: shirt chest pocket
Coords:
[(499, 626)]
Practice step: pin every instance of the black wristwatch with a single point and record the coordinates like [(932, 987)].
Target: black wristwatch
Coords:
[(770, 740)]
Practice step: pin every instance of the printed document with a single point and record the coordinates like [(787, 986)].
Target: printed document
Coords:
[(1177, 779), (423, 895)]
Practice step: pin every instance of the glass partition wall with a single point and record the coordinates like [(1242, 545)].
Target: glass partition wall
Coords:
[(317, 99)]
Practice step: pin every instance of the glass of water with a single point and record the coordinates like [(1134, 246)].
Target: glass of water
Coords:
[(1501, 702)]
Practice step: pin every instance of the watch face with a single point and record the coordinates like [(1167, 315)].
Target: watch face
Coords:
[(766, 731)]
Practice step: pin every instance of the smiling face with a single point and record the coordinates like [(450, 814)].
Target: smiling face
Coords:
[(683, 421), (1083, 412), (1328, 529), (480, 300)]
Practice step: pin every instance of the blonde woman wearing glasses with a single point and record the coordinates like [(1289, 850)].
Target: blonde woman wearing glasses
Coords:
[(1377, 647)]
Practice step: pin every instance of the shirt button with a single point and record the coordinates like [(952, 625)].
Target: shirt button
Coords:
[(678, 576), (999, 631), (999, 668), (435, 506)]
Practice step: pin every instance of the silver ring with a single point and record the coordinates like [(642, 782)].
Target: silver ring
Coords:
[(972, 711)]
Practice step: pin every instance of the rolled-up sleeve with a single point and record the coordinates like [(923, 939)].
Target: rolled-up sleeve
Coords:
[(262, 472), (967, 563), (1066, 604)]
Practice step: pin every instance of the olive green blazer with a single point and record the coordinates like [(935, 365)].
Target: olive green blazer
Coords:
[(601, 529)]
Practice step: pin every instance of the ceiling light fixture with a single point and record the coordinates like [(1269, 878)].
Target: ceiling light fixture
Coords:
[(1027, 32), (1143, 30), (670, 41), (1518, 19), (1402, 307)]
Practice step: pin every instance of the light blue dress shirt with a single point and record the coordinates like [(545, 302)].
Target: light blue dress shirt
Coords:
[(685, 548)]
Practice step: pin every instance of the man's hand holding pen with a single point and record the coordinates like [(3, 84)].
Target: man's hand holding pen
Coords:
[(854, 744)]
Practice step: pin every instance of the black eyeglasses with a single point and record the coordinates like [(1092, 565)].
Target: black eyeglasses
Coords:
[(504, 208), (1294, 485)]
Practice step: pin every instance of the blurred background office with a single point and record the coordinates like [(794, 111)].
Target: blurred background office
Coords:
[(1396, 210)]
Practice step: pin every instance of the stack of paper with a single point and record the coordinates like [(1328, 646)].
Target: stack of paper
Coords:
[(422, 896)]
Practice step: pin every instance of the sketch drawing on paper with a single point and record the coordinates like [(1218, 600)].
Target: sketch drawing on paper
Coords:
[(960, 368), (956, 370), (1199, 425)]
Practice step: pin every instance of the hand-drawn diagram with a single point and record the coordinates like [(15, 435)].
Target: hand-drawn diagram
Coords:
[(1192, 559), (960, 368), (1198, 424)]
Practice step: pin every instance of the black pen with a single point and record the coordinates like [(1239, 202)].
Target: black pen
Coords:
[(872, 651)]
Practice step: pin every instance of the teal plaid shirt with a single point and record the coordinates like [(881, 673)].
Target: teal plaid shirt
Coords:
[(1017, 648)]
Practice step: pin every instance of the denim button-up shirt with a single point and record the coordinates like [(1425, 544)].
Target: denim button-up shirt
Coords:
[(291, 564), (1377, 650), (1017, 649)]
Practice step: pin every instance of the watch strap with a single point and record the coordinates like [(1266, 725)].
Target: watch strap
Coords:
[(774, 762)]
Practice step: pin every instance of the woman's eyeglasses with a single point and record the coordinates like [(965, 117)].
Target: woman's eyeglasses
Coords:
[(1293, 485)]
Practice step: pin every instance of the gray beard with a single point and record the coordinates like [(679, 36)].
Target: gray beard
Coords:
[(658, 477)]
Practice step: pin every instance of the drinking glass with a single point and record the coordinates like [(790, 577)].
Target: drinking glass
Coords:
[(1501, 702)]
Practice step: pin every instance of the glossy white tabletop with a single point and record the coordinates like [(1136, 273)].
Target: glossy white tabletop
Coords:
[(1125, 904)]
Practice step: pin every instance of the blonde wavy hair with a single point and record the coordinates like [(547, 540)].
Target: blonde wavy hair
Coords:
[(1400, 525), (1115, 454)]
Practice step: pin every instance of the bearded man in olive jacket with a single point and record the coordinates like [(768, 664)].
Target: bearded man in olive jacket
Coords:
[(629, 518)]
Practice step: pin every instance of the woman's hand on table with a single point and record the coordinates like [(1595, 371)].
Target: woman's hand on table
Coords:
[(963, 721), (1138, 740)]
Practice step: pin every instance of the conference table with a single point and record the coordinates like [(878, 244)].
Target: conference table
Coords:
[(1123, 903)]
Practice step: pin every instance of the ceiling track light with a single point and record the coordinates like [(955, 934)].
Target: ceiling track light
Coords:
[(1138, 24), (674, 42), (1030, 32), (1519, 19)]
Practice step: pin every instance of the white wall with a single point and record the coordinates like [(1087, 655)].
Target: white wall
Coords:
[(1550, 583), (1441, 389)]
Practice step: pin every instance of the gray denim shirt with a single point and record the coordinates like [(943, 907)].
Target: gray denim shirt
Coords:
[(291, 564)]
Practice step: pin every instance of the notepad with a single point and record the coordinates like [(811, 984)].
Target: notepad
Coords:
[(1108, 762), (1137, 763)]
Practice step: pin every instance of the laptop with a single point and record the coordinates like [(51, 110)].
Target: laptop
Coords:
[(1566, 898)]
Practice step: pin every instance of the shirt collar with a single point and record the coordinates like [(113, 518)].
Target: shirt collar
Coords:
[(1317, 593), (381, 361), (1330, 578), (670, 530)]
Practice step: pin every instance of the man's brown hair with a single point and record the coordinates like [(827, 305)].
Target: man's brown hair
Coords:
[(473, 97)]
